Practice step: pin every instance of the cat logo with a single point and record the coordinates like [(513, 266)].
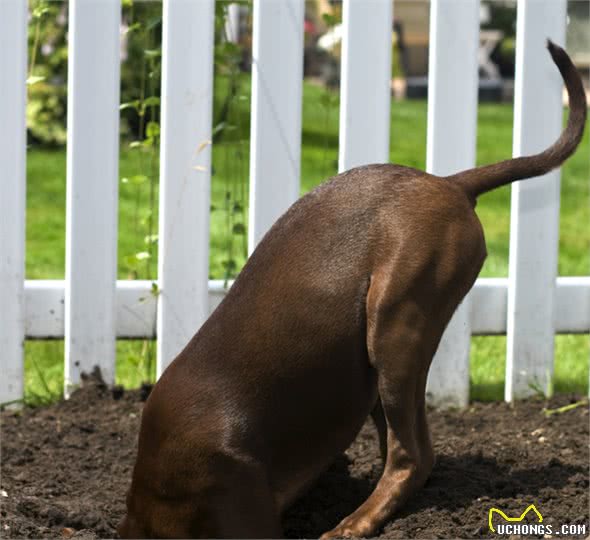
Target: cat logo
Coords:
[(520, 518)]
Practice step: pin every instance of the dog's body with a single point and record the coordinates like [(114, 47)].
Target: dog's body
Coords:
[(336, 316)]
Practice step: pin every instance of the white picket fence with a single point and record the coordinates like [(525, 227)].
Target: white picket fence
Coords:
[(91, 308)]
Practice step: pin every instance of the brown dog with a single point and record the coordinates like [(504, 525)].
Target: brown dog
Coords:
[(336, 316)]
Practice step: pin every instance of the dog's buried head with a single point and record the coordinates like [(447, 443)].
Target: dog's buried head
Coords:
[(336, 316)]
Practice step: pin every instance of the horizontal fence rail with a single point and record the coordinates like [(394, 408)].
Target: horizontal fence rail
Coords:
[(136, 307), (90, 309)]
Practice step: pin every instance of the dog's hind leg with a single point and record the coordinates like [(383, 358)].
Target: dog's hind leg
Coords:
[(381, 426), (407, 465), (409, 303), (401, 344)]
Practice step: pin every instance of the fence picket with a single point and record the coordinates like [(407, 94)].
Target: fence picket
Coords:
[(275, 142), (451, 136), (185, 173), (13, 66), (534, 223), (365, 83), (92, 188)]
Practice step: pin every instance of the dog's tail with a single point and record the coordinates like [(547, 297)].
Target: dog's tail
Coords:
[(481, 179)]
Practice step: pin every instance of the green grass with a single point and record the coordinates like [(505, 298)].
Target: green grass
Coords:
[(46, 226)]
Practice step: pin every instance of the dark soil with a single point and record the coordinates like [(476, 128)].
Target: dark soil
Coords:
[(66, 468)]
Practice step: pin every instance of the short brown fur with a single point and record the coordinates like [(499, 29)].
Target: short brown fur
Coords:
[(336, 316)]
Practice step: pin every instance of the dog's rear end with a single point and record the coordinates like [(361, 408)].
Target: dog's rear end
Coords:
[(336, 315)]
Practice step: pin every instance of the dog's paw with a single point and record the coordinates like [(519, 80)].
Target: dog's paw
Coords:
[(351, 527)]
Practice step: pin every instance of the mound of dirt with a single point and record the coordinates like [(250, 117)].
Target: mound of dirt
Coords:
[(66, 468)]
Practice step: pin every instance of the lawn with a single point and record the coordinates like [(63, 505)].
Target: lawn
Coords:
[(135, 360)]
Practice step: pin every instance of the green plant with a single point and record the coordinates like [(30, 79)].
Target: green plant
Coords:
[(48, 53), (565, 408), (537, 386), (46, 103), (228, 134), (140, 114)]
